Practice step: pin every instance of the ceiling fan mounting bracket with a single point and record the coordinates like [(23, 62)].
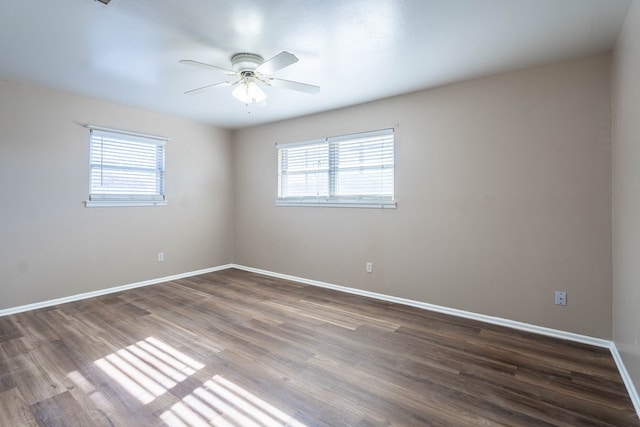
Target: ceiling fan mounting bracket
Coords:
[(242, 62)]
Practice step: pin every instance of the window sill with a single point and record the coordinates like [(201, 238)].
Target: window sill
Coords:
[(369, 205), (123, 203)]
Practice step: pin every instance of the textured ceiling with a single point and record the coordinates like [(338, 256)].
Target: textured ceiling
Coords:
[(355, 50)]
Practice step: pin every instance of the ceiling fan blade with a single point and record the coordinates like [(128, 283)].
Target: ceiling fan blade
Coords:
[(300, 87), (202, 89), (207, 66), (278, 62)]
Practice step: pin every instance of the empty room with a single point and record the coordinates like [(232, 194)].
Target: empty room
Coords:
[(305, 213)]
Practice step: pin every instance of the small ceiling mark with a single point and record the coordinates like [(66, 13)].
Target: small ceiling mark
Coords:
[(104, 1)]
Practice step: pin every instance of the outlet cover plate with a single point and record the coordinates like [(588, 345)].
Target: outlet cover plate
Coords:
[(561, 298)]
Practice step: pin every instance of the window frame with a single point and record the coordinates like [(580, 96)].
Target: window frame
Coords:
[(119, 198), (330, 198)]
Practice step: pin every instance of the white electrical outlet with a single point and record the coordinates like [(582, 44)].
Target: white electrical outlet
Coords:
[(160, 256), (561, 298), (369, 267)]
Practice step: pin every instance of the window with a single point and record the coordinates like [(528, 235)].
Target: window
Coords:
[(352, 170), (126, 169)]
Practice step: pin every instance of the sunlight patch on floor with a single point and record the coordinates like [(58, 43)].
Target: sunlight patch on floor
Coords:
[(148, 368), (151, 368), (220, 402)]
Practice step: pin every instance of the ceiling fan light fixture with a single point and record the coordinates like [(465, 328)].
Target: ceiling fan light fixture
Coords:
[(248, 92)]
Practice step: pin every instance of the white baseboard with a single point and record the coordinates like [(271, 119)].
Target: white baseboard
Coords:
[(628, 382), (77, 297), (556, 333), (598, 342)]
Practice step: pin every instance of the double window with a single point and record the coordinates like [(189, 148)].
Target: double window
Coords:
[(350, 170), (126, 169)]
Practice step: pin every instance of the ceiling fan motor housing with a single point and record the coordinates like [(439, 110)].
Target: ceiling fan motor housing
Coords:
[(246, 62)]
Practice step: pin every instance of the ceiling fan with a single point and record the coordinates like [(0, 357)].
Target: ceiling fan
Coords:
[(248, 71)]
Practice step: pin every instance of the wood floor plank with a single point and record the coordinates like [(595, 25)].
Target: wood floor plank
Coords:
[(14, 411), (237, 348), (60, 410), (8, 330)]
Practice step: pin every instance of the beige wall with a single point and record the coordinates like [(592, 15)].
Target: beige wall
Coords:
[(51, 246), (626, 194), (503, 189), (504, 196)]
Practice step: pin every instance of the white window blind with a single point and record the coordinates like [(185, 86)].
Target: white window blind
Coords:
[(350, 170), (126, 169)]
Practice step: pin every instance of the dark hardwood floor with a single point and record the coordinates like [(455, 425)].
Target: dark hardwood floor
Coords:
[(236, 348)]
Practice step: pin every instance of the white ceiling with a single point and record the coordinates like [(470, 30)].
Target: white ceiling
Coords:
[(355, 50)]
